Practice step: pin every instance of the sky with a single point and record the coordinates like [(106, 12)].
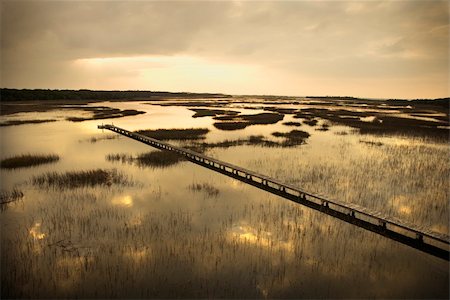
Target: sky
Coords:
[(373, 49)]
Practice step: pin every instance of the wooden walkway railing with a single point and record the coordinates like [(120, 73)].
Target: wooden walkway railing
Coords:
[(414, 236)]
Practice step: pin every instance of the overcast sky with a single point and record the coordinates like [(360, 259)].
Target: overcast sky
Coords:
[(377, 49)]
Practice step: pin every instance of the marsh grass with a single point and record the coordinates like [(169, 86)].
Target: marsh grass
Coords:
[(201, 112), (76, 179), (232, 125), (157, 159), (312, 122), (22, 122), (383, 123), (324, 127), (292, 123), (176, 134), (241, 121), (207, 188), (371, 143), (94, 139), (122, 157), (341, 132), (253, 140), (293, 137), (9, 197), (28, 160), (101, 112)]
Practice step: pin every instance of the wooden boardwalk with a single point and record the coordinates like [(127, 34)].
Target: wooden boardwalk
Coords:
[(414, 236)]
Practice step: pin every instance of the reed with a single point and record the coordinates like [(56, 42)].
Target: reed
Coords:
[(27, 160), (157, 159), (10, 196), (176, 134), (75, 179)]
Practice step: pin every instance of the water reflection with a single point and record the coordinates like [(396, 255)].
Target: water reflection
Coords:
[(36, 232), (246, 234), (137, 254), (124, 201)]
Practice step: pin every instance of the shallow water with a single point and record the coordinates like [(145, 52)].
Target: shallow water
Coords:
[(162, 238)]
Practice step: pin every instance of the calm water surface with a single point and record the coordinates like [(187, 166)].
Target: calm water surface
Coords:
[(163, 238)]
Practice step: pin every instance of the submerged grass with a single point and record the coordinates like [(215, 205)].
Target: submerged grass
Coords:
[(207, 188), (176, 134), (95, 139), (27, 160), (76, 179), (9, 197)]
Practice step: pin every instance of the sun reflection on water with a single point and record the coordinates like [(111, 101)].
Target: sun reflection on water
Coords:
[(36, 232), (247, 234), (124, 201)]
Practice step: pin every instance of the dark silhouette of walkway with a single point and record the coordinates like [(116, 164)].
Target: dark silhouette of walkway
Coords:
[(420, 238)]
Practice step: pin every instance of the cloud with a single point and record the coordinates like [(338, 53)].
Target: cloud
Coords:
[(341, 40)]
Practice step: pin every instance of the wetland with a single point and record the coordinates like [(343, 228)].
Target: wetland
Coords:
[(89, 214)]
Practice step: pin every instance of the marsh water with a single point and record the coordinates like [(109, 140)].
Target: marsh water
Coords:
[(186, 231)]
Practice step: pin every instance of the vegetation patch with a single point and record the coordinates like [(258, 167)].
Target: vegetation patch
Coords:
[(284, 111), (76, 179), (203, 112), (206, 188), (27, 160), (21, 122), (101, 138), (384, 122), (101, 112), (157, 159), (231, 125), (312, 122), (371, 143), (292, 138), (253, 140), (196, 103), (176, 134), (292, 123), (242, 121), (341, 133), (324, 127)]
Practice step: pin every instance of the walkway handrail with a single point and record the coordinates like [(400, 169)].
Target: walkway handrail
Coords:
[(349, 212)]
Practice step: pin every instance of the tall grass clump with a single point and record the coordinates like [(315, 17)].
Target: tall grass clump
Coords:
[(27, 160), (293, 137), (75, 179), (157, 159), (176, 134)]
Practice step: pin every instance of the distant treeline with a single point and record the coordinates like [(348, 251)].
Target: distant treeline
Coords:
[(41, 94), (442, 102)]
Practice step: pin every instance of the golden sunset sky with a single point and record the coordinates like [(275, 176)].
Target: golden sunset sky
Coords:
[(374, 49)]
